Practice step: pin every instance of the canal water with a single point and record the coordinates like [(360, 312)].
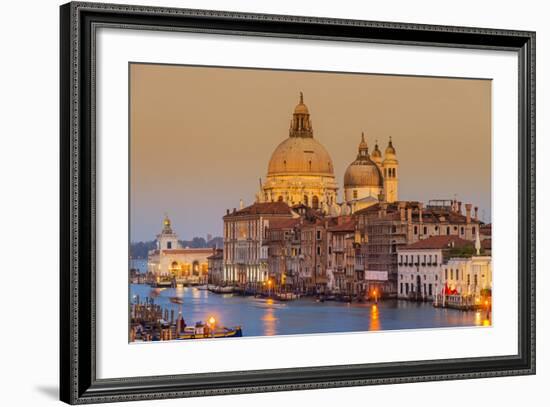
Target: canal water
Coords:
[(261, 317)]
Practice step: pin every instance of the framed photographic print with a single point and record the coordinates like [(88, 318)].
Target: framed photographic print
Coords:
[(257, 203)]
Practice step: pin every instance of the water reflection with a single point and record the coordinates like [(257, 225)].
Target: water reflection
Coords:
[(374, 318)]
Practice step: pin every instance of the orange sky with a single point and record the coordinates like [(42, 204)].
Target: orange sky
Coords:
[(201, 137)]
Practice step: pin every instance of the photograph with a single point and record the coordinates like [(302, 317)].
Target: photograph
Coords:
[(268, 202)]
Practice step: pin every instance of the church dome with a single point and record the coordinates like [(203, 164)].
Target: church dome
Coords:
[(363, 172), (300, 155)]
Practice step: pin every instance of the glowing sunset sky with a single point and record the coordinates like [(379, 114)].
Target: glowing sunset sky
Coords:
[(201, 138)]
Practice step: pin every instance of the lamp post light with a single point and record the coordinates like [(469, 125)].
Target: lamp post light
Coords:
[(212, 325)]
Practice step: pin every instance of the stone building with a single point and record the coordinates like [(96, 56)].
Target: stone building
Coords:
[(170, 261), (385, 227), (300, 170), (245, 256), (419, 265), (215, 267), (344, 271)]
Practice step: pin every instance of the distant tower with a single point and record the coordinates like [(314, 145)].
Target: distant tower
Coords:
[(390, 166), (167, 239)]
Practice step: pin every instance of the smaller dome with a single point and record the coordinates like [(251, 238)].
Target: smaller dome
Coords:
[(363, 173)]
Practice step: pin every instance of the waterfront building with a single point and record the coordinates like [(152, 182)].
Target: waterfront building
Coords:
[(468, 280), (245, 256), (215, 267), (171, 261), (419, 265), (282, 242), (344, 272), (386, 227)]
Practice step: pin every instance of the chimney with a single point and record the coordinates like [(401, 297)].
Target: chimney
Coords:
[(402, 211), (468, 212), (475, 213), (234, 210), (420, 207), (241, 204), (227, 211), (409, 214), (460, 207)]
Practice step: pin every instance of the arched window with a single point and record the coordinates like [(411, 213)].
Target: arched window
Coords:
[(168, 245), (280, 199), (315, 201)]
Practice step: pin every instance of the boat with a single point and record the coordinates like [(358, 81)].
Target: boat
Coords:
[(286, 296), (176, 300), (202, 331)]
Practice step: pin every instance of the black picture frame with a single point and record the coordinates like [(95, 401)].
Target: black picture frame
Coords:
[(78, 382)]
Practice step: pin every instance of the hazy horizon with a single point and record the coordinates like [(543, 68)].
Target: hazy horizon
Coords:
[(201, 137)]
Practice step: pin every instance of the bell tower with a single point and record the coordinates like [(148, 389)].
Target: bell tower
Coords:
[(390, 166), (167, 239)]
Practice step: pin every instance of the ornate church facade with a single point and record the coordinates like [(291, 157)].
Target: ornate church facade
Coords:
[(301, 172)]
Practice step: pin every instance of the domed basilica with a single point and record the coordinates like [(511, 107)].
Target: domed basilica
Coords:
[(300, 171)]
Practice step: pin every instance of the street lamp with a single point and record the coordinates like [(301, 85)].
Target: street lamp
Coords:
[(212, 325)]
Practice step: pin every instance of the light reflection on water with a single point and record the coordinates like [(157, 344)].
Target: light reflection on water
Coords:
[(260, 317)]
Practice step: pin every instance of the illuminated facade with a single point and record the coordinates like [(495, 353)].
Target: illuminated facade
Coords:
[(170, 261), (300, 170)]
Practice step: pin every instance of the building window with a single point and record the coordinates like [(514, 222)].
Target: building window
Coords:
[(474, 230), (406, 288), (425, 230), (169, 245), (318, 235), (280, 198), (315, 202), (475, 279), (430, 290), (401, 288), (318, 250), (306, 202), (354, 194), (330, 250), (468, 279), (435, 260), (446, 275), (448, 230), (416, 230), (462, 230)]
